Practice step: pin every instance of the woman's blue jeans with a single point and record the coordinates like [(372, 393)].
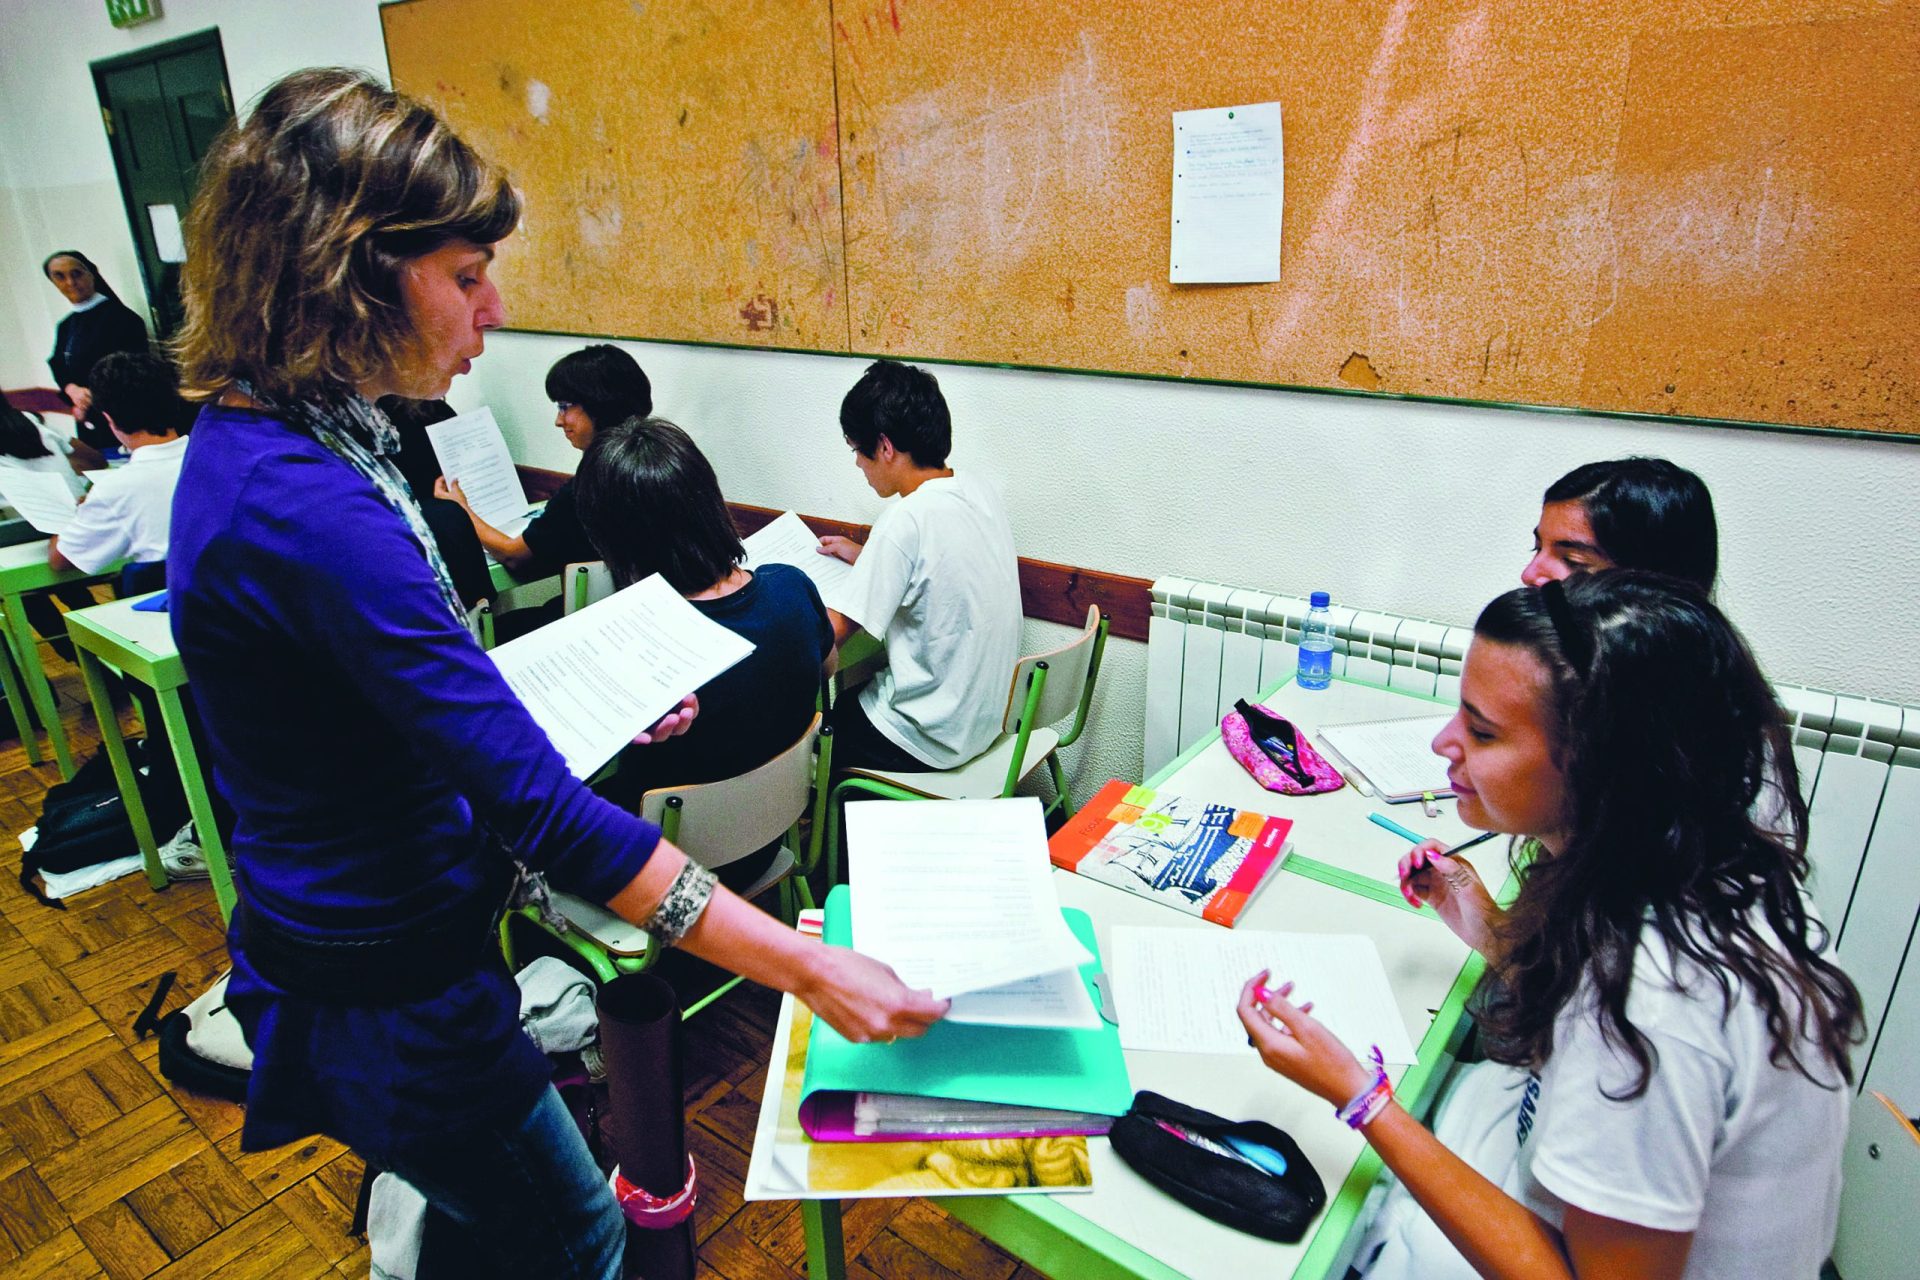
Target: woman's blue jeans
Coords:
[(521, 1198)]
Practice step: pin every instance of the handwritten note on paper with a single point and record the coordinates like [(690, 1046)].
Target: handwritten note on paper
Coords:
[(789, 541), (473, 453), (43, 497), (957, 895), (1228, 191), (1176, 988), (598, 676)]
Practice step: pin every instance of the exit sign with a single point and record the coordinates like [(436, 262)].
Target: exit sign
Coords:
[(131, 13)]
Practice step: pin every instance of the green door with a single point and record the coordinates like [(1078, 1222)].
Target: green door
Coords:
[(162, 108)]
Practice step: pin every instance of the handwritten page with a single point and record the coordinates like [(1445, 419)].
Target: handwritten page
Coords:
[(1176, 988), (597, 677), (1228, 192), (957, 895), (789, 541), (473, 453), (43, 497), (1394, 756)]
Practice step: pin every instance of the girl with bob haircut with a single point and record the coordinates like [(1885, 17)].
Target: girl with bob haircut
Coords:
[(385, 777), (591, 388), (652, 504), (1630, 513), (1669, 1041)]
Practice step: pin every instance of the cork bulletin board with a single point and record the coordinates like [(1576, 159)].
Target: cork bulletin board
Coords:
[(1671, 207)]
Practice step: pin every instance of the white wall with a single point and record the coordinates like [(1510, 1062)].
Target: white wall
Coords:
[(1421, 509)]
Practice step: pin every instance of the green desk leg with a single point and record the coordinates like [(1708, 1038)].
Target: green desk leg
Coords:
[(26, 651), (199, 805), (116, 747), (826, 1246), (17, 701)]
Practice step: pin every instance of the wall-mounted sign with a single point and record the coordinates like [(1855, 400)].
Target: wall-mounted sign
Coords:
[(131, 13)]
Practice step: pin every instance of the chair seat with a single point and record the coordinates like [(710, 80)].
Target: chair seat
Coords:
[(979, 778), (623, 938)]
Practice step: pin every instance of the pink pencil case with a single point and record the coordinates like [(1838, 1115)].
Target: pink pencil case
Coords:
[(1278, 755)]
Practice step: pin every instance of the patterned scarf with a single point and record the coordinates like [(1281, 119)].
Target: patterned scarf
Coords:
[(364, 439)]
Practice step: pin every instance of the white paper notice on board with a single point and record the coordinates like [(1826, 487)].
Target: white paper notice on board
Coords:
[(1228, 191)]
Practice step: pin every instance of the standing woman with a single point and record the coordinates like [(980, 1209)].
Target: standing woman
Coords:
[(1675, 1038), (384, 775), (99, 325)]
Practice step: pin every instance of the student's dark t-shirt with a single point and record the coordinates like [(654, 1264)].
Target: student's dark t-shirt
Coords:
[(755, 709), (557, 538)]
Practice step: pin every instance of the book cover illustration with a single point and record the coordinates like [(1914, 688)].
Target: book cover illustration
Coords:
[(1202, 858)]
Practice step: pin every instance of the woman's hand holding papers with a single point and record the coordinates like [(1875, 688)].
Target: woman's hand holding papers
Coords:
[(1454, 890), (1293, 1043), (865, 1000)]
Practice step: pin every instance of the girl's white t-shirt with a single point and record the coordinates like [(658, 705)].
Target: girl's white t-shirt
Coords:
[(1744, 1154)]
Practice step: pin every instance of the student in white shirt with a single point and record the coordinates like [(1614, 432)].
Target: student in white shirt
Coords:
[(1674, 1038), (937, 581), (130, 510)]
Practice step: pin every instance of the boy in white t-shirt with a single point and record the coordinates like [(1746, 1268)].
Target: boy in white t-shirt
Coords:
[(937, 581), (129, 512)]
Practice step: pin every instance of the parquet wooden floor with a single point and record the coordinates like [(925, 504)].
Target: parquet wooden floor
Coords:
[(107, 1170)]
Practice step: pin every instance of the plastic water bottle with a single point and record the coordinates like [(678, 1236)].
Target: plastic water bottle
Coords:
[(1316, 645)]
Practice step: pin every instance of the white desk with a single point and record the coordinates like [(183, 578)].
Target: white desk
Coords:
[(1340, 883)]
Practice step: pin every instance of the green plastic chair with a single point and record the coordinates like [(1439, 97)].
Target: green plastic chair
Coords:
[(1046, 688), (714, 823)]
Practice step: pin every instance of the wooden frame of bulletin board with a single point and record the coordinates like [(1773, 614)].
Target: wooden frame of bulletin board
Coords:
[(1668, 208)]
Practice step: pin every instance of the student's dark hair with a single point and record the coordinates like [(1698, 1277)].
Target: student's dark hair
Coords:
[(650, 503), (1666, 734), (19, 436), (140, 390), (902, 403), (1647, 513), (100, 284), (606, 382)]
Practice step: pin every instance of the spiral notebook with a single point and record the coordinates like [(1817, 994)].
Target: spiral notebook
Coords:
[(1394, 757)]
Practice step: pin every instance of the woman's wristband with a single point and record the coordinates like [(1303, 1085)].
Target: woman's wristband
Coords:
[(687, 897), (1371, 1100)]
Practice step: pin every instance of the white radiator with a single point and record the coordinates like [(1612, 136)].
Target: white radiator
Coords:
[(1859, 761)]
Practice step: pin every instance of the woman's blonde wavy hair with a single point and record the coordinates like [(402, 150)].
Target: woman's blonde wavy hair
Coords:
[(305, 216)]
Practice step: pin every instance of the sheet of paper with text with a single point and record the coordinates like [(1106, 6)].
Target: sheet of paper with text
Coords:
[(597, 677), (957, 895), (788, 540), (43, 497), (1228, 192), (1176, 988), (473, 453)]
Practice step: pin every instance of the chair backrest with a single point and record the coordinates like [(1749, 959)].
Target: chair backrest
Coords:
[(1070, 672), (583, 584), (727, 820)]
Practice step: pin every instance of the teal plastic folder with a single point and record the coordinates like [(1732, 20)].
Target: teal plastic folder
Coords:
[(1067, 1069)]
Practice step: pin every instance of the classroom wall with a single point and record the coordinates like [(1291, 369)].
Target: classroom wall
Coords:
[(1421, 509)]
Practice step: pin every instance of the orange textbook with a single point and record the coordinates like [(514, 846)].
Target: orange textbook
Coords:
[(1207, 860)]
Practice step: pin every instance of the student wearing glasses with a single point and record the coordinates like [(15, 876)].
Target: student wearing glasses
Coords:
[(591, 388)]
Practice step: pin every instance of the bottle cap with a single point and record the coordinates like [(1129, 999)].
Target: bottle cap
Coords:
[(1321, 599)]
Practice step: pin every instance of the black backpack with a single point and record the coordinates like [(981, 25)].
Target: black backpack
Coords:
[(82, 822)]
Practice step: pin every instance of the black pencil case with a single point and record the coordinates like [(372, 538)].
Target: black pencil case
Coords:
[(1207, 1177)]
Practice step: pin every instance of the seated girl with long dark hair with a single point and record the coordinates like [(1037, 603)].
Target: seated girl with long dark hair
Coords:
[(1669, 1040), (649, 500), (1626, 513)]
